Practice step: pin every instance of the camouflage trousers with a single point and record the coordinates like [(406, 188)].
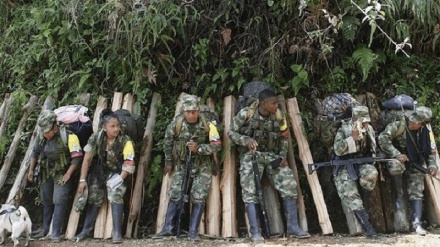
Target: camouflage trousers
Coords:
[(414, 179), (348, 188), (201, 176), (98, 190), (281, 178)]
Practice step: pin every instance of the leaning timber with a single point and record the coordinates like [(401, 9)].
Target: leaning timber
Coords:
[(213, 202), (27, 109), (302, 218), (5, 111), (166, 183), (273, 208), (306, 158), (144, 161), (16, 192), (2, 108), (229, 175), (432, 186)]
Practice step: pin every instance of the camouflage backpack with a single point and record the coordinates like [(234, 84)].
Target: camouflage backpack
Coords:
[(336, 109)]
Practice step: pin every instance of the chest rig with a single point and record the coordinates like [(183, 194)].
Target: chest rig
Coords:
[(264, 130), (185, 134)]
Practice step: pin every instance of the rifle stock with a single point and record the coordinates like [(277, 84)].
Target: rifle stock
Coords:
[(260, 196)]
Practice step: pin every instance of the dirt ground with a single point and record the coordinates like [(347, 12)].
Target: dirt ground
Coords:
[(406, 240)]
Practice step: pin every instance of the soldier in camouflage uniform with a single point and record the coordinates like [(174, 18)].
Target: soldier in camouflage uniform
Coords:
[(58, 161), (263, 136), (355, 139), (178, 143), (110, 156), (403, 139)]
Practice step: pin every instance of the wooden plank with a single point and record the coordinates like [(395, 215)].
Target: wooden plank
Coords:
[(142, 167), (306, 158), (2, 108), (302, 217), (5, 111), (229, 176), (213, 202), (101, 220), (118, 98), (128, 102), (100, 105), (166, 183), (26, 109), (273, 209), (16, 192), (432, 186)]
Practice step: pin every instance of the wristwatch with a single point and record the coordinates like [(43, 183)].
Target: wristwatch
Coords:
[(199, 150)]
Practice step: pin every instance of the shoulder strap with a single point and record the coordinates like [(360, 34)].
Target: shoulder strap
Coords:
[(179, 123), (63, 134)]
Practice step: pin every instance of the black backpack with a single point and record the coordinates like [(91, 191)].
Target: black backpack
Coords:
[(251, 90), (131, 124)]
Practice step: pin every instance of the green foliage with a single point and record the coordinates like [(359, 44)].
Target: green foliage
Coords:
[(301, 80), (366, 60)]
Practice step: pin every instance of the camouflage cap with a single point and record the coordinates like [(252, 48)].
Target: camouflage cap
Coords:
[(421, 114), (190, 103), (45, 121), (361, 113)]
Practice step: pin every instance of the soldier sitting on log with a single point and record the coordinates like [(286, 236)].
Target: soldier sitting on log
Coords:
[(190, 139), (262, 135), (110, 156), (408, 140), (57, 162), (355, 139)]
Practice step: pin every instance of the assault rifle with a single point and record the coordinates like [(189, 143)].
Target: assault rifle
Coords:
[(184, 198), (260, 195), (348, 163)]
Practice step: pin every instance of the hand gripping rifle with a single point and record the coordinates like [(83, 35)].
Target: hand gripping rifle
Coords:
[(348, 163), (260, 195), (184, 191)]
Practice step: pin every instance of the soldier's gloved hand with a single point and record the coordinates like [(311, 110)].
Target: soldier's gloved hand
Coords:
[(168, 169), (433, 172), (402, 158), (252, 145)]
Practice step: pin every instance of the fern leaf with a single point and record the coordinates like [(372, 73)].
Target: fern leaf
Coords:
[(349, 27), (365, 60)]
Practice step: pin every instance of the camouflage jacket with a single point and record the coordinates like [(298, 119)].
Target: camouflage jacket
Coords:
[(270, 133), (175, 143), (344, 143), (119, 157), (392, 140)]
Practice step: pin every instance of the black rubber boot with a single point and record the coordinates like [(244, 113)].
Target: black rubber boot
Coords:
[(47, 218), (118, 216), (59, 213), (196, 215), (362, 216), (366, 195), (291, 213), (416, 216), (254, 223), (168, 227), (92, 213), (401, 223)]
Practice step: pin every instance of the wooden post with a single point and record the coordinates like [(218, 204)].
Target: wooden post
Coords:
[(5, 111), (2, 108), (100, 105), (432, 186), (166, 183), (16, 192), (228, 182), (302, 217), (104, 216), (306, 158), (272, 202), (142, 167), (27, 109), (128, 102), (213, 202)]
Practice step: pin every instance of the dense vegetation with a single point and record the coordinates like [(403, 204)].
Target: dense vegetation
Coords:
[(306, 48)]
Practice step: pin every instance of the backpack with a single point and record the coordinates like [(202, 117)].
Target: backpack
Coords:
[(396, 108), (74, 119), (251, 91), (336, 109), (131, 124)]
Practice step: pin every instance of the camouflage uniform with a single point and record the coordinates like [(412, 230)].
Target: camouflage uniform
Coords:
[(270, 133), (55, 157), (119, 158), (179, 132), (346, 147), (394, 142)]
